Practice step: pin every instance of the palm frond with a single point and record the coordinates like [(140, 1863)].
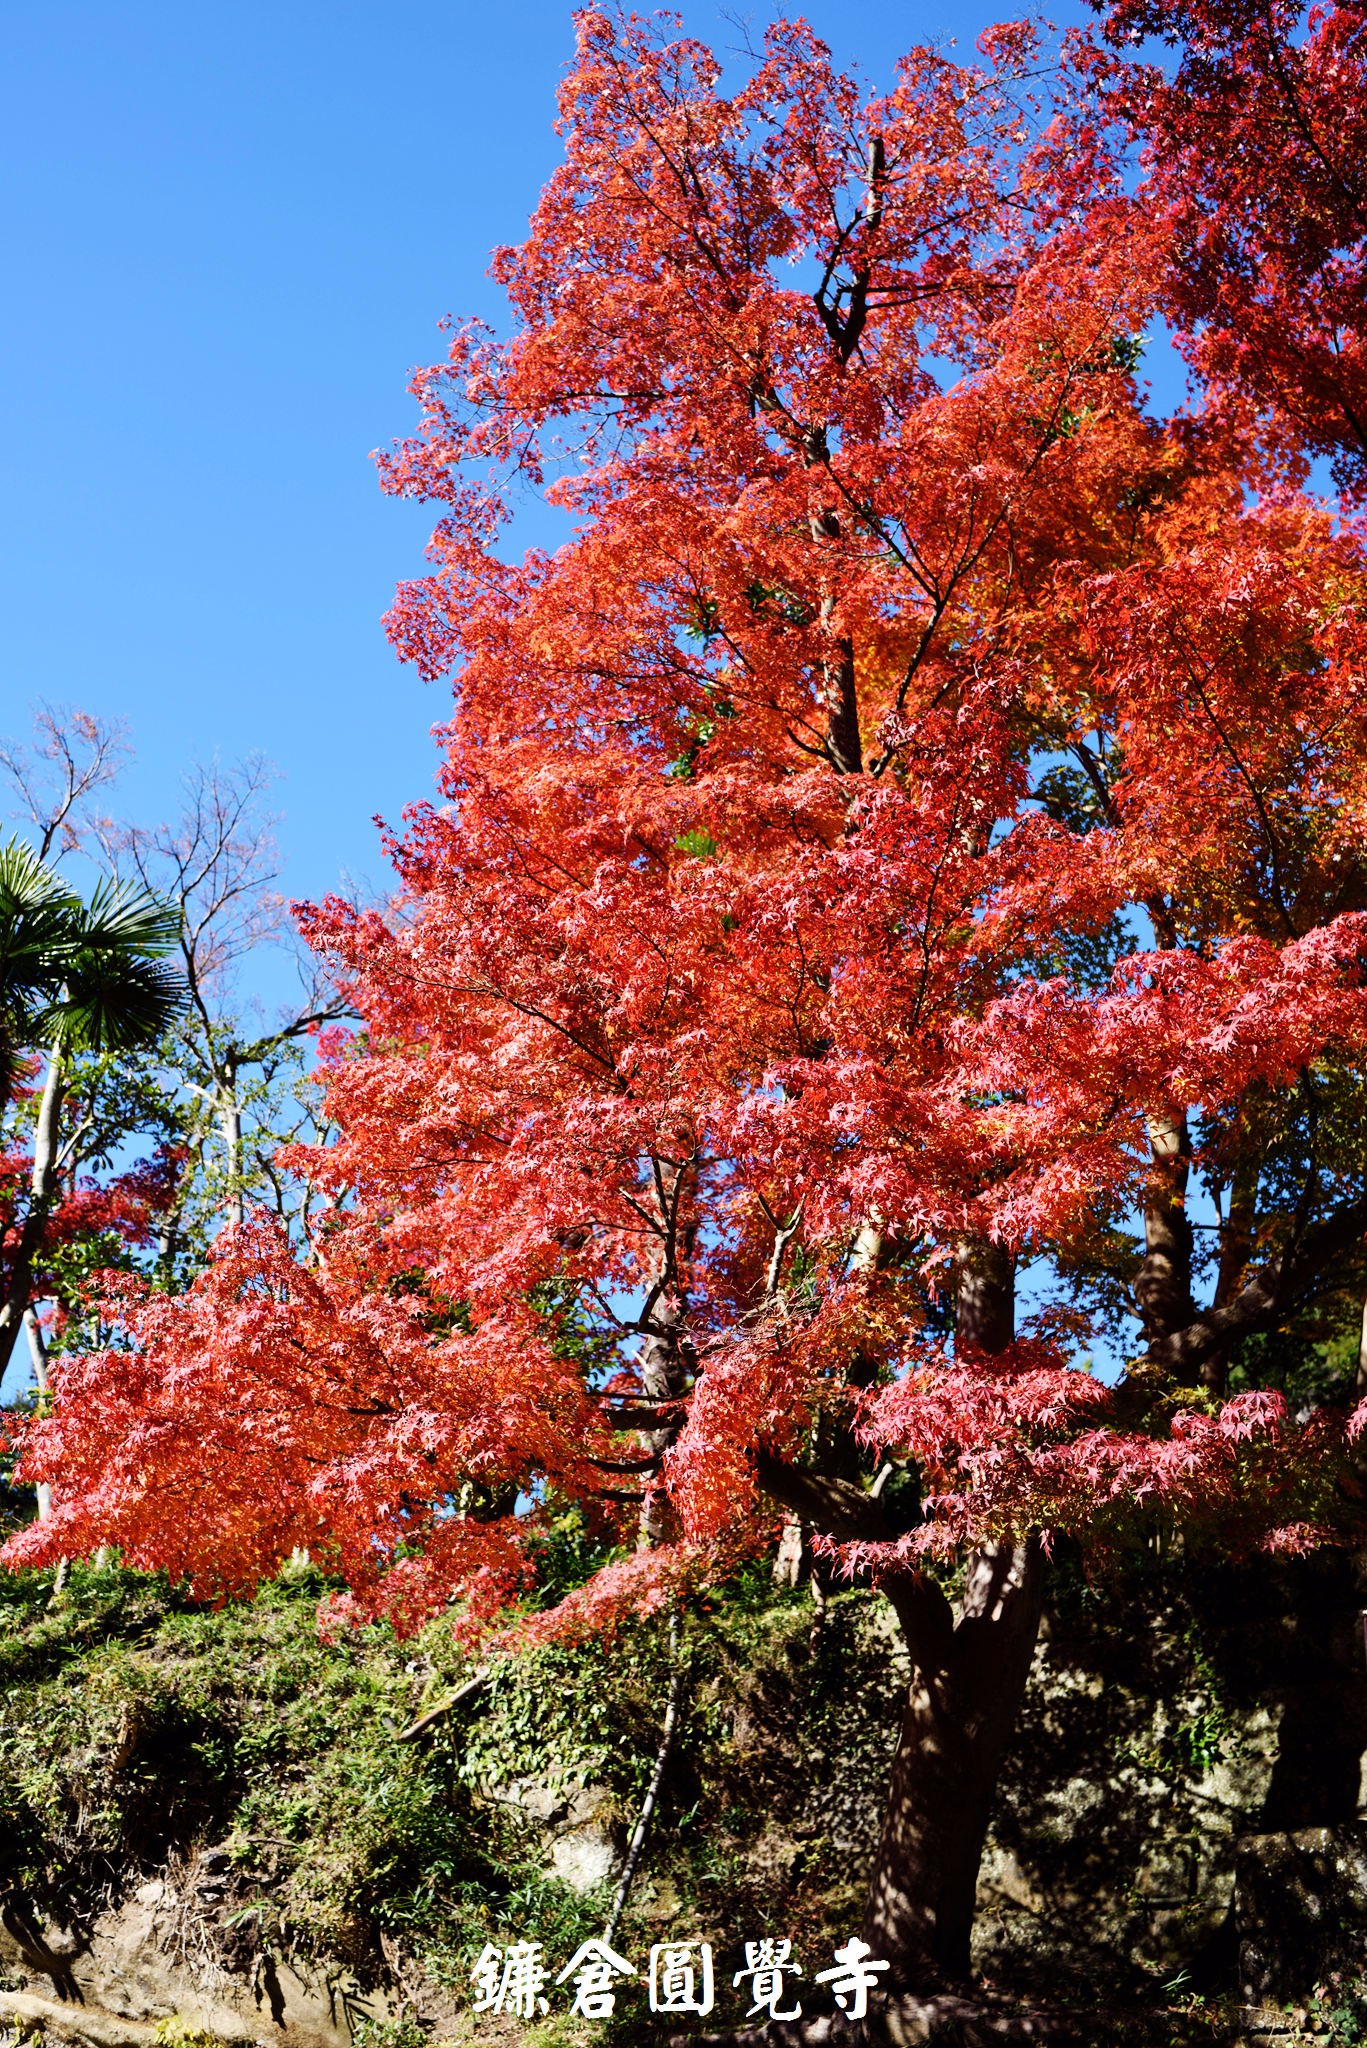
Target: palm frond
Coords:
[(27, 885), (112, 1001), (37, 917), (121, 920), (92, 975)]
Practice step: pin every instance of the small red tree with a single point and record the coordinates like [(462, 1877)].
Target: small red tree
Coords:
[(911, 829)]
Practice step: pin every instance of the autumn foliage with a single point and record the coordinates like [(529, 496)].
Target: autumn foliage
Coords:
[(119, 1211), (913, 828)]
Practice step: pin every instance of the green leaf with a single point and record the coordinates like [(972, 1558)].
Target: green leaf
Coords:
[(699, 844), (90, 975)]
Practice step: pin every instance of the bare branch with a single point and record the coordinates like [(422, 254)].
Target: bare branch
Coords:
[(217, 862), (784, 1233), (73, 754)]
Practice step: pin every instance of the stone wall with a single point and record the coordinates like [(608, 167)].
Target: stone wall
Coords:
[(1170, 1717)]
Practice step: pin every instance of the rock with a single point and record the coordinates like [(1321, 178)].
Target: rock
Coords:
[(28, 2014), (1270, 2027), (1300, 1909), (130, 1969), (585, 1858), (590, 1803), (542, 1802), (660, 1901), (578, 1843)]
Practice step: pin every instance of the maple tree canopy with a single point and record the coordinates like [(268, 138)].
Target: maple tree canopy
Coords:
[(911, 834)]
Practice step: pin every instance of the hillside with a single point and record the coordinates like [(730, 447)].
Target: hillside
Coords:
[(212, 1819)]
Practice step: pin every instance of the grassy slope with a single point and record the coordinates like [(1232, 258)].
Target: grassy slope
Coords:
[(137, 1729)]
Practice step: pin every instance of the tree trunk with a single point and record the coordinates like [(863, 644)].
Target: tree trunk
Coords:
[(1236, 1249), (664, 1377), (969, 1672), (1162, 1286), (42, 1187), (984, 1296), (38, 1353), (968, 1679), (838, 691), (843, 745), (231, 1112), (965, 1693)]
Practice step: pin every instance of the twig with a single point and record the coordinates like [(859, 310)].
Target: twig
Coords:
[(639, 1832), (462, 1692)]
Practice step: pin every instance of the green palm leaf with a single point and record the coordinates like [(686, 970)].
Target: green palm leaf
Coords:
[(129, 921), (112, 1001), (37, 911), (90, 976)]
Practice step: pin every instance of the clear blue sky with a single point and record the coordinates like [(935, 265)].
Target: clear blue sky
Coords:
[(230, 232)]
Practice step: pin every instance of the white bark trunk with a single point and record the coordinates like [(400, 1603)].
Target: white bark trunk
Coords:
[(232, 1145), (38, 1353), (42, 1187)]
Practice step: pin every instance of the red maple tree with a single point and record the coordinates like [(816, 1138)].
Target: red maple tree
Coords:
[(903, 846), (1255, 152)]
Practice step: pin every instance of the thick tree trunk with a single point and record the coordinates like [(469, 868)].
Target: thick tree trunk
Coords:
[(965, 1693), (969, 1674), (1236, 1249), (1162, 1286), (843, 746), (968, 1679), (984, 1296), (664, 1368)]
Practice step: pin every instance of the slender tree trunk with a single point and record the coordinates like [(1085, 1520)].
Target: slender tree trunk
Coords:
[(168, 1230), (647, 1813), (232, 1141), (42, 1187), (38, 1353), (968, 1679), (838, 693)]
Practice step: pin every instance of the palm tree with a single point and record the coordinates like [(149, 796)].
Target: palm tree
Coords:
[(75, 976)]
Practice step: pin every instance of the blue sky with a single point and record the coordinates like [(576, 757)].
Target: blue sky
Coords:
[(230, 234)]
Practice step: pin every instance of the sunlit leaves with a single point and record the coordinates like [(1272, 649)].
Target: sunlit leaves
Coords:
[(923, 773)]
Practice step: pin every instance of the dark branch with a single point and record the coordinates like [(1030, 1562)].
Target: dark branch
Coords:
[(1265, 1300), (833, 1507)]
